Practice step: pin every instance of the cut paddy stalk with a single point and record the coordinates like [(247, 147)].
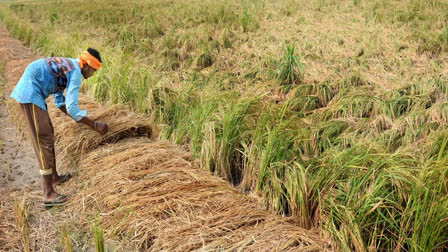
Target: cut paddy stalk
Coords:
[(21, 217), (66, 239)]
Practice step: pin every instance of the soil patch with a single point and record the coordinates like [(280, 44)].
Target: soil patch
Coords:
[(17, 160)]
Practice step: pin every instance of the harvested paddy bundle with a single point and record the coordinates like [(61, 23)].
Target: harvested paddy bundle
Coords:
[(78, 139), (150, 192)]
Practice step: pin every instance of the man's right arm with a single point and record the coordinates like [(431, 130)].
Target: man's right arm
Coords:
[(97, 126)]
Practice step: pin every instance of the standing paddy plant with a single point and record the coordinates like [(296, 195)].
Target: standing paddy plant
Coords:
[(421, 129), (357, 196), (398, 105), (143, 80), (276, 154), (7, 168), (424, 220), (28, 37), (19, 29), (204, 60), (123, 83), (245, 20), (326, 135), (183, 110), (378, 189), (354, 79), (169, 108), (251, 149), (199, 116), (290, 70), (126, 38), (221, 150), (436, 145), (305, 190), (153, 28), (359, 104), (303, 104), (323, 91)]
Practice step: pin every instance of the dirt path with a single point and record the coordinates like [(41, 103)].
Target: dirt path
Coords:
[(19, 173), (18, 165), (17, 160)]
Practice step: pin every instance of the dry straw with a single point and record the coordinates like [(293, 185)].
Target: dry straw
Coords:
[(122, 124), (10, 237), (169, 204)]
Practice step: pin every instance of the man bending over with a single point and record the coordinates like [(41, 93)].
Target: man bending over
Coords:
[(51, 76)]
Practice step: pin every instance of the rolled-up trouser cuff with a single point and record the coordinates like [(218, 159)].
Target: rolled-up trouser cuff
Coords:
[(46, 172)]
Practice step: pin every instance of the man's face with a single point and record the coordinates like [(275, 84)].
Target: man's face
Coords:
[(87, 71)]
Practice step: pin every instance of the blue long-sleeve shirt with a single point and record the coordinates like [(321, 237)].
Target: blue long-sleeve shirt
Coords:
[(39, 81)]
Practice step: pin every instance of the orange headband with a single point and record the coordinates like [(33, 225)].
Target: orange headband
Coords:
[(86, 57)]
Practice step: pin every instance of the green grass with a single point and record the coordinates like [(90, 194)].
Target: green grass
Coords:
[(335, 111), (98, 235)]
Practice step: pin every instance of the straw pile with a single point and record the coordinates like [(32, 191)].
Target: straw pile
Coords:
[(169, 204), (150, 192), (121, 122)]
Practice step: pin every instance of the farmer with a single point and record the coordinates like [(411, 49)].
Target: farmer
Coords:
[(40, 79)]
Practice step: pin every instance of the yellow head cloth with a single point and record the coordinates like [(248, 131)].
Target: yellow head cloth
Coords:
[(86, 57)]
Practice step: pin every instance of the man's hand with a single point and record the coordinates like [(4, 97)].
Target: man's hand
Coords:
[(97, 126), (101, 127)]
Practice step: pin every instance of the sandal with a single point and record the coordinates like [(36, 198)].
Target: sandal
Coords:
[(56, 201)]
